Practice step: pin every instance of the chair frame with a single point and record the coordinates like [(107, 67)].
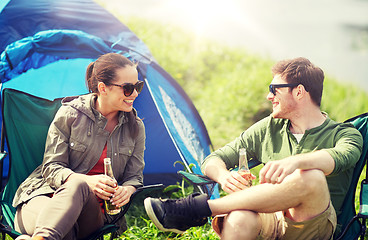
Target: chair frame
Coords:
[(357, 217)]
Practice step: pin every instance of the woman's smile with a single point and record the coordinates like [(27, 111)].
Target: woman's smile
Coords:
[(129, 102)]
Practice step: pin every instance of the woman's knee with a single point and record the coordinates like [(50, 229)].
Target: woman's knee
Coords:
[(75, 186)]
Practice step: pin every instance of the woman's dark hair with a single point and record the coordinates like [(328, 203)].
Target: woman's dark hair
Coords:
[(104, 70), (301, 70)]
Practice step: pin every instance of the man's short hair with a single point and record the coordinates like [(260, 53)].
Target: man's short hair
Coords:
[(301, 70)]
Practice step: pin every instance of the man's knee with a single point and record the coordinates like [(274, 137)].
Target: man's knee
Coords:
[(242, 223), (309, 181)]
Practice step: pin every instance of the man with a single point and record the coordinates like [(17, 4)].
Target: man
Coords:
[(309, 161)]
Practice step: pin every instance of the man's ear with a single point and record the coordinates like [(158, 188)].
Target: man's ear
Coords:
[(300, 91)]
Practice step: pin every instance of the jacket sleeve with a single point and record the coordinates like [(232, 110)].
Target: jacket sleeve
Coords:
[(133, 172), (55, 166)]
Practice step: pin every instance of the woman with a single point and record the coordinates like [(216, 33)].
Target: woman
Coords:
[(62, 198)]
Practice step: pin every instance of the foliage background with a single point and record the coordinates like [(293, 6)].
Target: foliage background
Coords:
[(228, 86)]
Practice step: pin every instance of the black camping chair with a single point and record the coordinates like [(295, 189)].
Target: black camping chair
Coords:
[(26, 120)]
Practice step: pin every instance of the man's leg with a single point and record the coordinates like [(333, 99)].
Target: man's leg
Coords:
[(302, 195), (234, 227)]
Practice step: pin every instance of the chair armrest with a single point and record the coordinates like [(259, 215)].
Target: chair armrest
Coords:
[(206, 184), (138, 191), (196, 179), (200, 180)]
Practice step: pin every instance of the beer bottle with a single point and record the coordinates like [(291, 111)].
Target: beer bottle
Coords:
[(243, 165), (110, 209)]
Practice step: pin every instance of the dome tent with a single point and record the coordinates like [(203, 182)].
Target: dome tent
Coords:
[(46, 46)]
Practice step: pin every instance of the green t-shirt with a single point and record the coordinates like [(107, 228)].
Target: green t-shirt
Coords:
[(270, 139)]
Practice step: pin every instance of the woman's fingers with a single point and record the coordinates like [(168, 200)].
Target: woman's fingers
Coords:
[(121, 197)]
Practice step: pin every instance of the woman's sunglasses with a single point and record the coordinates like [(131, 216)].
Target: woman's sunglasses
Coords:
[(128, 88)]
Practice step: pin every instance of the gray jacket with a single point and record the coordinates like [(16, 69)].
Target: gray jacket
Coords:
[(74, 143)]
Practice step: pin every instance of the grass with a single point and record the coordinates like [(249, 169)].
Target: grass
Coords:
[(140, 227), (228, 87)]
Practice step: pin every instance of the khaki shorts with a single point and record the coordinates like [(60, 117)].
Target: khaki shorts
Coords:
[(277, 226)]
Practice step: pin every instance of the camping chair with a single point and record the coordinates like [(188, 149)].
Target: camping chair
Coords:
[(206, 185), (26, 120), (353, 225)]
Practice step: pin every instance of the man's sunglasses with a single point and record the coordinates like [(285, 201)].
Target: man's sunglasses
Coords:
[(273, 87), (128, 88)]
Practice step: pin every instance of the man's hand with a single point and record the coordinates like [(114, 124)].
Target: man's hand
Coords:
[(276, 171), (233, 181)]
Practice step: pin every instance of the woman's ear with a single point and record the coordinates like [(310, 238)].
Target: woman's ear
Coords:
[(101, 87)]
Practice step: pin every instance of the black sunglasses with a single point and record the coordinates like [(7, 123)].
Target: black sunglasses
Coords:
[(128, 88), (273, 87)]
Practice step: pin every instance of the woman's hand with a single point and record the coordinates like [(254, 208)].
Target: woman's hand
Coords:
[(122, 195), (103, 186)]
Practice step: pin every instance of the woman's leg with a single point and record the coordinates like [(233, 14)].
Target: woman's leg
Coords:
[(72, 212), (27, 214)]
